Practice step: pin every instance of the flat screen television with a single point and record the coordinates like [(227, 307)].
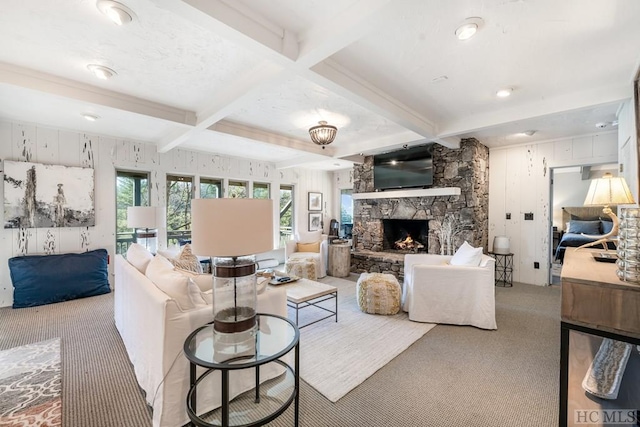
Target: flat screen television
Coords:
[(412, 167)]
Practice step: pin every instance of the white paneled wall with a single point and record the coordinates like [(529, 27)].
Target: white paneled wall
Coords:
[(627, 143), (520, 183), (39, 144)]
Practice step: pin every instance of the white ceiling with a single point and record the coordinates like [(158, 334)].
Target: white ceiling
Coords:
[(247, 78)]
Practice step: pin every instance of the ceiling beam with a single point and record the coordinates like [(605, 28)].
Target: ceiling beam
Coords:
[(249, 132), (244, 89), (237, 24), (299, 161), (546, 107), (379, 145), (321, 41), (47, 83), (332, 75), (241, 25)]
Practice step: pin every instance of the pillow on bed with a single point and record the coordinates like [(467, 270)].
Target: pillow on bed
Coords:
[(606, 226), (586, 227)]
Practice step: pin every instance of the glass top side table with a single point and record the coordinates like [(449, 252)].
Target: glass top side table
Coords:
[(275, 337)]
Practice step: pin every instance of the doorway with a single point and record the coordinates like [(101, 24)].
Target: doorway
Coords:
[(569, 187)]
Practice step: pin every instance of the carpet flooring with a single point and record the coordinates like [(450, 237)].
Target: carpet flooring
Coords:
[(453, 376)]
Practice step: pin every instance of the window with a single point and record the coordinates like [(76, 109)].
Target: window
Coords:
[(261, 190), (238, 189), (210, 188), (132, 189), (179, 195), (286, 213), (346, 213)]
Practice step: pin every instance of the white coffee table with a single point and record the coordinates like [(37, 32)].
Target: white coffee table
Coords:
[(304, 293)]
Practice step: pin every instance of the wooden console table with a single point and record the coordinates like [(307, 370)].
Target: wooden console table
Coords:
[(594, 302)]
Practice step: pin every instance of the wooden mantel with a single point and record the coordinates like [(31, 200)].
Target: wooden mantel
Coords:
[(420, 192)]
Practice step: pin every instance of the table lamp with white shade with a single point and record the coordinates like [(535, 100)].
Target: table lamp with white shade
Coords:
[(143, 217), (232, 231), (608, 191)]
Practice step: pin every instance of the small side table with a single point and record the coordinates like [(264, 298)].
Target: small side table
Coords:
[(275, 337), (339, 259), (504, 269)]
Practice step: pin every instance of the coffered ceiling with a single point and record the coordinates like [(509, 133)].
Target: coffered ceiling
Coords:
[(248, 78)]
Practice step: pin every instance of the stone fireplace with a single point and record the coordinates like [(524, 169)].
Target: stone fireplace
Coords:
[(405, 235), (466, 168)]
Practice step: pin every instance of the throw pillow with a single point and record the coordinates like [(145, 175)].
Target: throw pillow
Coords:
[(204, 281), (196, 296), (606, 226), (175, 285), (308, 247), (261, 284), (208, 296), (308, 236), (467, 255), (139, 257), (169, 253), (586, 227), (186, 260)]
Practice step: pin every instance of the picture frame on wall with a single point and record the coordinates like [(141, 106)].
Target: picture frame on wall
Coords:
[(315, 201), (63, 196), (315, 221)]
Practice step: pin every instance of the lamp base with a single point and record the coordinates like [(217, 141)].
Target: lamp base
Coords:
[(234, 319)]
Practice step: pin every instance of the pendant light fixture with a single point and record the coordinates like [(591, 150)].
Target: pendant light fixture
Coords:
[(323, 134)]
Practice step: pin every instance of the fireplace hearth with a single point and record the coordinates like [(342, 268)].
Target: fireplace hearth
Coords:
[(405, 235)]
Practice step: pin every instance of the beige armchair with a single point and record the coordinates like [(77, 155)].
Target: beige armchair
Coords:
[(436, 292), (307, 241)]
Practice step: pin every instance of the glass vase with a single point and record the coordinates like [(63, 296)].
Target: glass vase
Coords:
[(234, 294), (629, 246)]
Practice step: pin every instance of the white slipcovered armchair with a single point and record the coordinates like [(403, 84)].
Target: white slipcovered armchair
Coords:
[(436, 292), (292, 251)]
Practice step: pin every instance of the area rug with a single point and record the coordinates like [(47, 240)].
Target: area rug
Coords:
[(30, 385), (336, 357)]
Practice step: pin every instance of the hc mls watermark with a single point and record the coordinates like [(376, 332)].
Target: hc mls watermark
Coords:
[(629, 417)]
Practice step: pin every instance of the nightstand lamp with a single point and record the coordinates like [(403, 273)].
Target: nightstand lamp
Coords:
[(608, 191)]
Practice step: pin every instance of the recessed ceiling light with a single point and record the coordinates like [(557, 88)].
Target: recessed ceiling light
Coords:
[(439, 79), (529, 132), (90, 117), (468, 28), (118, 13), (101, 72), (601, 125), (503, 93)]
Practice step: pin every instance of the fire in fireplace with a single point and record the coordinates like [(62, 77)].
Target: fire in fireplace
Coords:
[(405, 235)]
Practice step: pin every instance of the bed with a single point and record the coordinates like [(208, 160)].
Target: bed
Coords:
[(578, 221)]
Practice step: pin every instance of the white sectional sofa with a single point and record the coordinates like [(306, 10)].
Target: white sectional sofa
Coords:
[(154, 327)]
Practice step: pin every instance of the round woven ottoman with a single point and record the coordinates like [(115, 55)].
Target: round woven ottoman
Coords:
[(378, 293), (302, 267)]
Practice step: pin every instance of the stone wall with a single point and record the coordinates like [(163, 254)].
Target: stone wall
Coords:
[(466, 167)]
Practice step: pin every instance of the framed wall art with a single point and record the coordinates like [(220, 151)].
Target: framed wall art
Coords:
[(41, 196), (315, 221), (315, 201)]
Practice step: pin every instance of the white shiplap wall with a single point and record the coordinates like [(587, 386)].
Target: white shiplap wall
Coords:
[(41, 144), (519, 182)]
